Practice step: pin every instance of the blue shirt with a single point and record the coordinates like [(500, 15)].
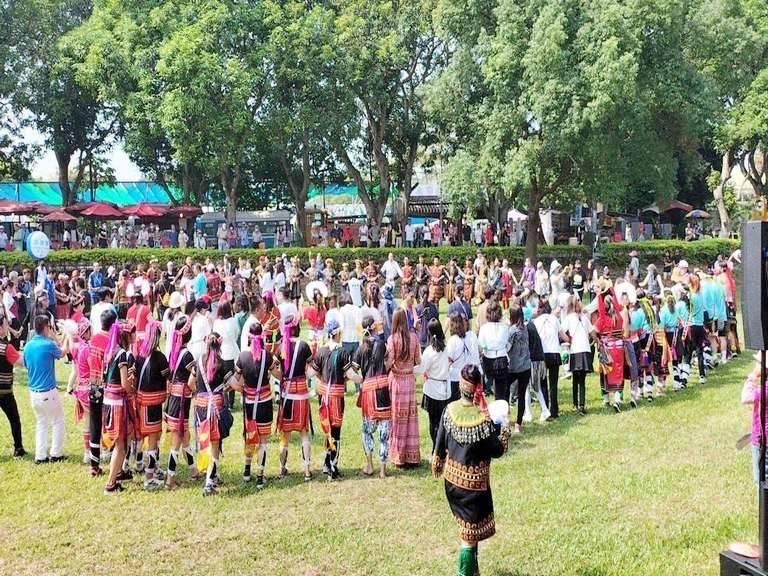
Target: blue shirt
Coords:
[(668, 319), (709, 297), (720, 312), (697, 310), (639, 321), (96, 280), (682, 311), (51, 292), (40, 355), (201, 285)]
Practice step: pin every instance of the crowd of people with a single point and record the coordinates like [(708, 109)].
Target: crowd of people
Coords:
[(158, 352)]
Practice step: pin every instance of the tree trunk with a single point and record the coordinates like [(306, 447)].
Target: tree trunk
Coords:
[(532, 229), (719, 195), (62, 161), (230, 182)]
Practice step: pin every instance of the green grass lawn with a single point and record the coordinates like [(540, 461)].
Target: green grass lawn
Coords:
[(657, 490)]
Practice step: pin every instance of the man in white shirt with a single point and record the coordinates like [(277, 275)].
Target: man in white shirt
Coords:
[(363, 230), (104, 303), (256, 236), (427, 235), (65, 238), (350, 324), (409, 235), (391, 269), (478, 236), (355, 290)]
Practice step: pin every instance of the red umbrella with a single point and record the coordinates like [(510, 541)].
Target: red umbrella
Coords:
[(59, 216), (100, 210), (185, 211), (144, 210), (9, 207)]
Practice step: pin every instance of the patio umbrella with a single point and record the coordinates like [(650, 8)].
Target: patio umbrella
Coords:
[(9, 207), (698, 214), (144, 210), (59, 216), (99, 210), (185, 211)]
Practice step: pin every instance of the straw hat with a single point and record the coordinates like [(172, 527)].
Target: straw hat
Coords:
[(176, 300)]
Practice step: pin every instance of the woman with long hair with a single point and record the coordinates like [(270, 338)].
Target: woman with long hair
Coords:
[(548, 327), (435, 367), (610, 331), (252, 372), (315, 317), (579, 331), (294, 412), (467, 440), (209, 378), (519, 358), (669, 320), (151, 389), (403, 354), (119, 385), (374, 400), (81, 384), (462, 348), (696, 319), (493, 339), (181, 364)]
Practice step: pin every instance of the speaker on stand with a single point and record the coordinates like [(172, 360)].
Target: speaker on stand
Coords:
[(754, 310)]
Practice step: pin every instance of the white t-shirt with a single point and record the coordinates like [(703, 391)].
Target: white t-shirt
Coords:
[(279, 281), (267, 283), (354, 285), (201, 327), (65, 235), (350, 322), (408, 233), (434, 366), (548, 327), (391, 270), (363, 233), (478, 236), (493, 339), (96, 311), (462, 352), (228, 329), (578, 328)]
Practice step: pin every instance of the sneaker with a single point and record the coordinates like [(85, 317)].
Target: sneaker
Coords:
[(544, 416), (283, 473), (160, 474), (96, 472), (217, 481), (116, 488), (702, 379), (125, 476), (260, 483), (247, 477), (527, 417), (632, 403), (19, 453), (308, 477), (55, 459), (582, 411), (140, 467), (616, 407), (210, 489), (153, 484), (43, 461)]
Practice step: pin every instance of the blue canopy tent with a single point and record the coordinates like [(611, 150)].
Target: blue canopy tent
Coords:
[(121, 193)]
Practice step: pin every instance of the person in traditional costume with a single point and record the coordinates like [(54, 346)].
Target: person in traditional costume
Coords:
[(469, 281), (631, 371), (97, 366), (403, 353), (421, 274), (119, 383), (453, 280), (294, 280), (609, 327), (151, 390), (333, 367), (374, 399), (467, 440), (252, 371), (62, 294), (8, 357), (180, 364), (269, 318), (437, 278), (294, 411), (82, 383), (139, 314), (209, 378), (408, 278), (344, 277)]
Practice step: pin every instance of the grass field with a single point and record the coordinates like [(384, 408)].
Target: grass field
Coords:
[(657, 490)]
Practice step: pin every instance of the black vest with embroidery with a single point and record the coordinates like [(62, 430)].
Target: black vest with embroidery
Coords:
[(6, 371)]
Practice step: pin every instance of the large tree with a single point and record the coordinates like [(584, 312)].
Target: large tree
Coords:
[(386, 52), (569, 101)]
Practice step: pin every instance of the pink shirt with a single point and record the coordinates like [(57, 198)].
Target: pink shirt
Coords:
[(82, 364)]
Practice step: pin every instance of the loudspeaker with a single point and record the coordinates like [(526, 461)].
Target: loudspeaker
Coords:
[(754, 288)]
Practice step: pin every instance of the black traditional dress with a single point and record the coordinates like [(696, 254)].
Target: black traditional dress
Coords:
[(466, 442)]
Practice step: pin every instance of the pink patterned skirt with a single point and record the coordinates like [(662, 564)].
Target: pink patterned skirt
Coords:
[(404, 438)]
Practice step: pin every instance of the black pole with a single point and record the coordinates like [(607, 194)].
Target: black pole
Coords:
[(763, 498)]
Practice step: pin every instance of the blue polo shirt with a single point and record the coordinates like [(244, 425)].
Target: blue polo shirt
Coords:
[(40, 355)]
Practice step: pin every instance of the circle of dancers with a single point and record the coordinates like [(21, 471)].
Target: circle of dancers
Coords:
[(160, 357)]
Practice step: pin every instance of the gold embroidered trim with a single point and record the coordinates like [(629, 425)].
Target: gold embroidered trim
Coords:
[(477, 531), (465, 425), (438, 464), (474, 478)]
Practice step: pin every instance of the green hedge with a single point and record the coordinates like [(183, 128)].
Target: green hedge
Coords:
[(700, 252), (67, 259), (613, 255)]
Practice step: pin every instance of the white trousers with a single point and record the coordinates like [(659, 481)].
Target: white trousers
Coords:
[(49, 413)]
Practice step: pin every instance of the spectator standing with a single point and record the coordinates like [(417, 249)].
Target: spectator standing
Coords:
[(40, 355)]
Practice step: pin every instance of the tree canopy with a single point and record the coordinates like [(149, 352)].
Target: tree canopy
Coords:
[(529, 103)]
